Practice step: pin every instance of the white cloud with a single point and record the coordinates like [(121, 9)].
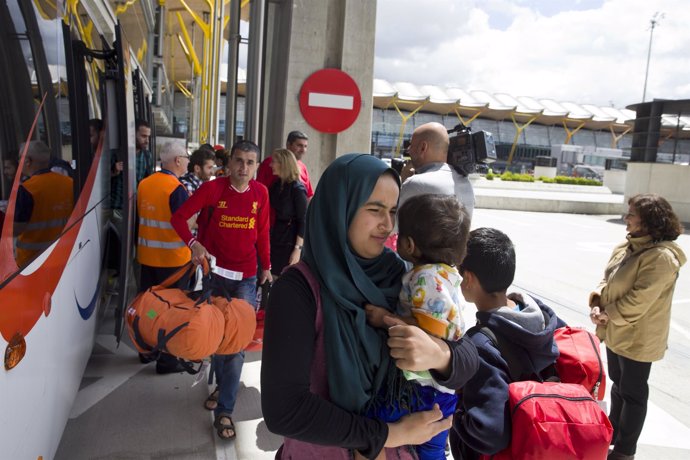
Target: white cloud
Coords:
[(591, 51)]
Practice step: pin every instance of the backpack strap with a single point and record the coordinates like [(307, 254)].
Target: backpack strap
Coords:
[(313, 283), (504, 348), (516, 370), (318, 381)]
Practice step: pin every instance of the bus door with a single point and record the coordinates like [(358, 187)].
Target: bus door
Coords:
[(122, 134)]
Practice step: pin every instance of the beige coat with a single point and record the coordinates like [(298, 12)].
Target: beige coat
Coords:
[(636, 293)]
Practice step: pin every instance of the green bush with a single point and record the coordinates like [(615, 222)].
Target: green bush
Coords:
[(514, 177), (569, 180)]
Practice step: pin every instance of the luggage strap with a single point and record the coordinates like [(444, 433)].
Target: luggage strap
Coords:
[(189, 266), (163, 338)]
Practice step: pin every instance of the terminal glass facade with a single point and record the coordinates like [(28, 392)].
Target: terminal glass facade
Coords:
[(534, 140)]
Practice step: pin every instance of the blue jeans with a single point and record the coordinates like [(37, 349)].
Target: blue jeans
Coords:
[(433, 449), (228, 368)]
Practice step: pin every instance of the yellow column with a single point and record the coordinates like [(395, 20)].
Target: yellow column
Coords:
[(85, 32), (188, 47), (472, 118), (404, 118), (206, 71), (569, 133), (615, 138), (518, 130)]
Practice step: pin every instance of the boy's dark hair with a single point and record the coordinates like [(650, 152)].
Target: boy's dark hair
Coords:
[(439, 226), (245, 146), (198, 158), (294, 135), (491, 258), (139, 123)]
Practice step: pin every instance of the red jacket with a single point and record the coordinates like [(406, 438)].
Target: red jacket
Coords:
[(266, 177), (237, 227)]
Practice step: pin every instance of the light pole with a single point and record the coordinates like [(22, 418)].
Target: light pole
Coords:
[(653, 22)]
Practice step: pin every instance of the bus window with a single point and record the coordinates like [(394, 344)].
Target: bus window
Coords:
[(34, 113)]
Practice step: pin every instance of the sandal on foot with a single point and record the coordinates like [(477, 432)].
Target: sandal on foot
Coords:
[(212, 401), (223, 424)]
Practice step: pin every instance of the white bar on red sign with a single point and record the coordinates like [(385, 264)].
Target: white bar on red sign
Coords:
[(331, 101)]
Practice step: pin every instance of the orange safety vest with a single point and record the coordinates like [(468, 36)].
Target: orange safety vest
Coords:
[(158, 244), (53, 200)]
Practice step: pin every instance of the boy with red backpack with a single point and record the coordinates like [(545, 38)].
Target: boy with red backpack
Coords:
[(514, 337)]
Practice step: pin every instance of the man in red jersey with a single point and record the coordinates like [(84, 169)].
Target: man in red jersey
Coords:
[(297, 143), (233, 227)]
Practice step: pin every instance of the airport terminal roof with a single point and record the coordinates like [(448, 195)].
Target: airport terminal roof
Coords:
[(503, 106), (500, 106), (405, 95)]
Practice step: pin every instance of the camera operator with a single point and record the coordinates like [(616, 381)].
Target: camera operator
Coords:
[(428, 152)]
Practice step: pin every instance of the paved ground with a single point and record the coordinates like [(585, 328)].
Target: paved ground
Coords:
[(125, 411)]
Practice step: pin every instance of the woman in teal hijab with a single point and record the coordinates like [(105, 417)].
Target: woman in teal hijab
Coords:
[(323, 366), (348, 280)]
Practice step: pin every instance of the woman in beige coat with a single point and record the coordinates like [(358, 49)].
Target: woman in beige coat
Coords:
[(632, 310)]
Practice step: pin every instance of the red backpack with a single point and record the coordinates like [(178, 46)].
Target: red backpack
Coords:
[(554, 414), (553, 420), (580, 360)]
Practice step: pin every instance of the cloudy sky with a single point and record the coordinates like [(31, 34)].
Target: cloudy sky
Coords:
[(586, 51)]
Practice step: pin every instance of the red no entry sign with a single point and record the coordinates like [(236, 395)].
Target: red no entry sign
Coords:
[(329, 100)]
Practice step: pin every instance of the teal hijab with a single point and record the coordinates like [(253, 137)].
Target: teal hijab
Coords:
[(358, 360)]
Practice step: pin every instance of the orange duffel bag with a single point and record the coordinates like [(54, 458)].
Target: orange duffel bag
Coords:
[(240, 324), (167, 319), (164, 319)]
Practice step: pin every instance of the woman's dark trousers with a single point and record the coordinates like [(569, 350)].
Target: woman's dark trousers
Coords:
[(629, 394)]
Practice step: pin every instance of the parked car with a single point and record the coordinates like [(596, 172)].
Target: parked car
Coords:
[(586, 172)]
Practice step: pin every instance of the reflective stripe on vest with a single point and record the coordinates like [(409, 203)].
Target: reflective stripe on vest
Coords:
[(46, 224), (161, 244), (155, 223), (52, 196)]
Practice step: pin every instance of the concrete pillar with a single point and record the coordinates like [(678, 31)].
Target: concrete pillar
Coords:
[(646, 131), (670, 181), (255, 72), (311, 35), (231, 86)]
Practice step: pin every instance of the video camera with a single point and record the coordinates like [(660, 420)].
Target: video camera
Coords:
[(399, 163), (466, 149)]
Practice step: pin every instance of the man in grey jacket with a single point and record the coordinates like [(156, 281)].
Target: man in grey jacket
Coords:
[(428, 151)]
